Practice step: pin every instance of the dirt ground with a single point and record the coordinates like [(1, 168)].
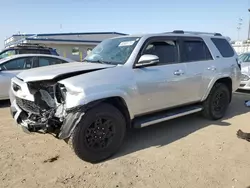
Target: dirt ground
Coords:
[(186, 152)]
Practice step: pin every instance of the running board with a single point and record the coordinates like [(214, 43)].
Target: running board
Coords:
[(165, 115)]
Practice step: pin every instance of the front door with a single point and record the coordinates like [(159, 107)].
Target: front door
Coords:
[(163, 85)]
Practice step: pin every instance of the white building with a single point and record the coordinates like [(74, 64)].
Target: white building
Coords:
[(70, 45), (241, 46)]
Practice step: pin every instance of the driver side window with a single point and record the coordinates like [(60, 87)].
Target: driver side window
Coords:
[(166, 50)]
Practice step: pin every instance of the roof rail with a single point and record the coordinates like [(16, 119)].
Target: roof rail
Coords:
[(196, 33), (31, 44)]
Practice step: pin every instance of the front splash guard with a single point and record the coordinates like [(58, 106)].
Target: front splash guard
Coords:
[(73, 117), (69, 124)]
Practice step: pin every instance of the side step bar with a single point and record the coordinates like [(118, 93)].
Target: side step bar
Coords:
[(165, 115)]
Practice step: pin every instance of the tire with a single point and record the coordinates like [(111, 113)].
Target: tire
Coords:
[(99, 134), (216, 104)]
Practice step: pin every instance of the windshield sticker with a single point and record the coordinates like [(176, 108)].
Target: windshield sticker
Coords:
[(127, 43)]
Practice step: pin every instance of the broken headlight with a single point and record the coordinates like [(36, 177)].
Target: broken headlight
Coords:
[(60, 93)]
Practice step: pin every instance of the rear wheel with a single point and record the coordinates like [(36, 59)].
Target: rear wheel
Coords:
[(99, 134), (217, 102)]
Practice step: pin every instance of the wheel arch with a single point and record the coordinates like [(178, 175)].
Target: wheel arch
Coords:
[(75, 114), (225, 80)]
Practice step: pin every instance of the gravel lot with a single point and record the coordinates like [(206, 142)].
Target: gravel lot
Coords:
[(186, 152)]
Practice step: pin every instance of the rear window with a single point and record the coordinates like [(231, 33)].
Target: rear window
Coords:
[(223, 46)]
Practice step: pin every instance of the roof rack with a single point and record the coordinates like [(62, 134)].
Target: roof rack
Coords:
[(196, 33), (31, 45)]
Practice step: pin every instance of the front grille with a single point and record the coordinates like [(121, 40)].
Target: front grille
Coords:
[(27, 106)]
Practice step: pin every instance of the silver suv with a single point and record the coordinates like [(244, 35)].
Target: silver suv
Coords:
[(127, 82)]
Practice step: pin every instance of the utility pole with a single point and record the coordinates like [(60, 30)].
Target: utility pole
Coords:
[(248, 37), (239, 27)]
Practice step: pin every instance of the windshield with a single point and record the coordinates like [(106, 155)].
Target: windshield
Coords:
[(244, 58), (7, 53), (113, 51)]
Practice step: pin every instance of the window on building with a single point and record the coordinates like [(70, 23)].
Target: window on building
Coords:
[(75, 51), (89, 50)]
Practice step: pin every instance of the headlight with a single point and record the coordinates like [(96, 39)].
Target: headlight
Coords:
[(244, 77)]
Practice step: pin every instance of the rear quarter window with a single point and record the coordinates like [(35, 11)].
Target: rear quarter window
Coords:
[(223, 46)]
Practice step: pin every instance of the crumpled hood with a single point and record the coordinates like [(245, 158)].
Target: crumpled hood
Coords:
[(55, 71)]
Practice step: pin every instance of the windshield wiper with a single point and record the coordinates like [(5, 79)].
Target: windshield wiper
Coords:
[(99, 61)]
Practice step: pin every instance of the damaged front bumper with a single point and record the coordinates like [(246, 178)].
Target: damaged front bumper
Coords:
[(67, 127), (15, 112), (55, 120)]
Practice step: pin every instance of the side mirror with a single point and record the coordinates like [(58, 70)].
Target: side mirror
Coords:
[(147, 60)]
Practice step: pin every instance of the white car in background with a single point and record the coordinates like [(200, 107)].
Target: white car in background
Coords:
[(244, 60), (13, 65)]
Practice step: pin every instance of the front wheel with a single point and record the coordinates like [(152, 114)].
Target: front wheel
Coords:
[(217, 102), (99, 134)]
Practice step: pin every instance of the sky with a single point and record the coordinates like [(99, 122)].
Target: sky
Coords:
[(127, 16)]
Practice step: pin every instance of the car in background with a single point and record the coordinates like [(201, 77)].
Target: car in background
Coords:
[(244, 60), (27, 49), (12, 65)]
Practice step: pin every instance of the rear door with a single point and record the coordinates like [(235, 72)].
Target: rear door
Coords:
[(200, 66)]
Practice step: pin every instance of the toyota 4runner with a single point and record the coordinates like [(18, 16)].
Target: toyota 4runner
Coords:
[(127, 82)]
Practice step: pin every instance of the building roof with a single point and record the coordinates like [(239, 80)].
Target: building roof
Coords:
[(88, 38), (61, 40), (56, 34)]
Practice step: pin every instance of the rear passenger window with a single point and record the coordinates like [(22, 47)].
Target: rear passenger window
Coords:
[(223, 46), (45, 61), (196, 51)]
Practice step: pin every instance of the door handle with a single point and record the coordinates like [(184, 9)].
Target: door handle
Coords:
[(178, 72), (211, 68)]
